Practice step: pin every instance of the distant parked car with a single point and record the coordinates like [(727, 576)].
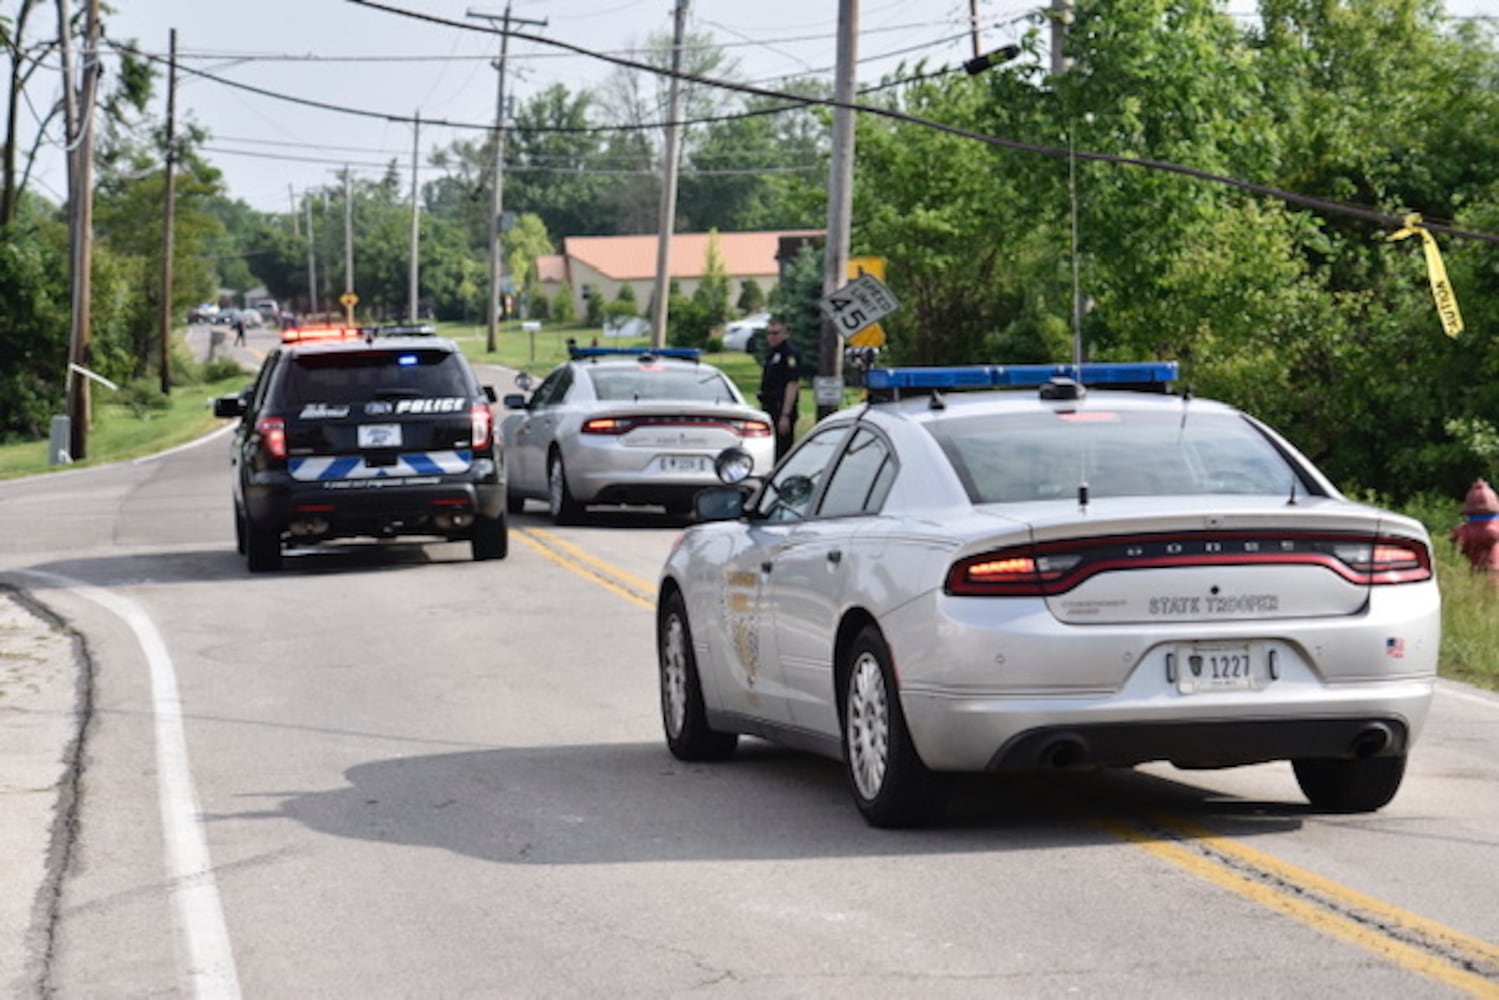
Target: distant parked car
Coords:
[(738, 335)]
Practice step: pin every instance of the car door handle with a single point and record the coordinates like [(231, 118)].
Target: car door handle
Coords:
[(835, 556)]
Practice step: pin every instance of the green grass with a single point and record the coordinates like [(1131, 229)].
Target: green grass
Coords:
[(120, 433), (1470, 601)]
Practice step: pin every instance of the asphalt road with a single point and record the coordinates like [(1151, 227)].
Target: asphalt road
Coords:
[(389, 771)]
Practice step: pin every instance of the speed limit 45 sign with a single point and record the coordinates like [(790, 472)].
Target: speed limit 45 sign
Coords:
[(860, 303)]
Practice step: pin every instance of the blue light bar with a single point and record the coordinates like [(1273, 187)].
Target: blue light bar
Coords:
[(689, 353), (1094, 373)]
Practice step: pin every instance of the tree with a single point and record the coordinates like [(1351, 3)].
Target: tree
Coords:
[(751, 297)]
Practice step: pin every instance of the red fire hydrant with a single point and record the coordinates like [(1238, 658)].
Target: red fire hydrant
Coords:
[(1478, 535)]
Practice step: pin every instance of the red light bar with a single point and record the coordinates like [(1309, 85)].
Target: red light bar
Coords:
[(301, 333)]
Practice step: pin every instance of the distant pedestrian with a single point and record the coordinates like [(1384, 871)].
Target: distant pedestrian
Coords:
[(239, 329), (780, 384)]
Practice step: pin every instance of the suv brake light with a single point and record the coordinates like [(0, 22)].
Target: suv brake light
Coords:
[(272, 431), (481, 426)]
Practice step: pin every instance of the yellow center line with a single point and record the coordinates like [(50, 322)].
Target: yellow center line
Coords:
[(571, 557)]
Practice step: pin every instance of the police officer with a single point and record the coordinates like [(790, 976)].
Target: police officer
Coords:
[(779, 384)]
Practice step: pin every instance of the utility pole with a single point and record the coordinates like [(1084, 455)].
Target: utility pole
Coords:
[(81, 221), (973, 25), (497, 201), (1061, 20), (170, 212), (416, 141), (840, 191), (313, 305), (348, 247), (671, 161)]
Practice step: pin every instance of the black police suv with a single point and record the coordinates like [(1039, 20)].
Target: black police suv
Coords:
[(348, 434)]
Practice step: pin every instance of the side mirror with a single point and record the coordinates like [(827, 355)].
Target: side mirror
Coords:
[(489, 393), (515, 401), (229, 406), (733, 465)]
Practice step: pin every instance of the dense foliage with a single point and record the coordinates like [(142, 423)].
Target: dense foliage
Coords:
[(1312, 319)]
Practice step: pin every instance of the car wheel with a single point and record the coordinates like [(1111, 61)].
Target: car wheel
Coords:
[(262, 547), (239, 530), (514, 502), (683, 714), (564, 509), (890, 784), (491, 538), (1362, 784)]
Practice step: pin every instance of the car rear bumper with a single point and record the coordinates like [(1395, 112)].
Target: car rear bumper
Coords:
[(428, 505), (985, 733)]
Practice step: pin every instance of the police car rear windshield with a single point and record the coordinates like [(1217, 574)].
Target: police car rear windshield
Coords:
[(1017, 458), (354, 377), (628, 384)]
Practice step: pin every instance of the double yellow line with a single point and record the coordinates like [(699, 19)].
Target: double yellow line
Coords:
[(1407, 940), (611, 578)]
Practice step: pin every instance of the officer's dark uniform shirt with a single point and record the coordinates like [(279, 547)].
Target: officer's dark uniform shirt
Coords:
[(780, 368)]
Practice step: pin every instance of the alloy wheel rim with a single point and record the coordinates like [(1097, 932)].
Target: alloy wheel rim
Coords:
[(868, 727), (555, 486), (674, 675)]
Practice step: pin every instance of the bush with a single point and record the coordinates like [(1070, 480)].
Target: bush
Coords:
[(143, 398)]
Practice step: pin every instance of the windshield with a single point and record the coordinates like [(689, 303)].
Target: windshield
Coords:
[(1046, 456), (646, 382)]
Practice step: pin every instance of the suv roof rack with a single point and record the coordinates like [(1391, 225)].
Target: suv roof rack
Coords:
[(402, 330)]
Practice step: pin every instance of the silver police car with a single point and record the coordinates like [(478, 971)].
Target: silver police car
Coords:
[(626, 426), (954, 576)]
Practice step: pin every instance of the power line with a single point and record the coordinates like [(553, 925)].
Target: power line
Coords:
[(1383, 219)]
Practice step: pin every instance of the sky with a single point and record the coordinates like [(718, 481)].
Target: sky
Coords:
[(339, 53), (384, 64)]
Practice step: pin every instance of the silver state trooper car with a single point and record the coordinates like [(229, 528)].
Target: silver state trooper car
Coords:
[(622, 425), (1058, 576)]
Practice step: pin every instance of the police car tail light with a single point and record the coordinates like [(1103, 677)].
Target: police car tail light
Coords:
[(752, 428), (481, 425), (607, 425), (272, 432), (1387, 560), (1009, 573)]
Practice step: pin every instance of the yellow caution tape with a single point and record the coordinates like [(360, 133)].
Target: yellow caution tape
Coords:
[(1441, 288)]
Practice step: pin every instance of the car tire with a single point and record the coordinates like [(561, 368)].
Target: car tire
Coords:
[(890, 784), (239, 530), (514, 502), (1357, 785), (564, 509), (491, 538), (262, 547), (683, 714)]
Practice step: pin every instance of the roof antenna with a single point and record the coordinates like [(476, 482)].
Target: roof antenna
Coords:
[(937, 401), (1082, 495), (1291, 500)]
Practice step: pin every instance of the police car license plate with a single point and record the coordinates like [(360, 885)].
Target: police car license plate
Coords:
[(683, 463), (379, 435), (1206, 667)]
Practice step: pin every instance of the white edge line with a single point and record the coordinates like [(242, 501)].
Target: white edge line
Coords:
[(1464, 692), (193, 889)]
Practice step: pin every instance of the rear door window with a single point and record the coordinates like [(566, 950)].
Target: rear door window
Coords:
[(355, 377)]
